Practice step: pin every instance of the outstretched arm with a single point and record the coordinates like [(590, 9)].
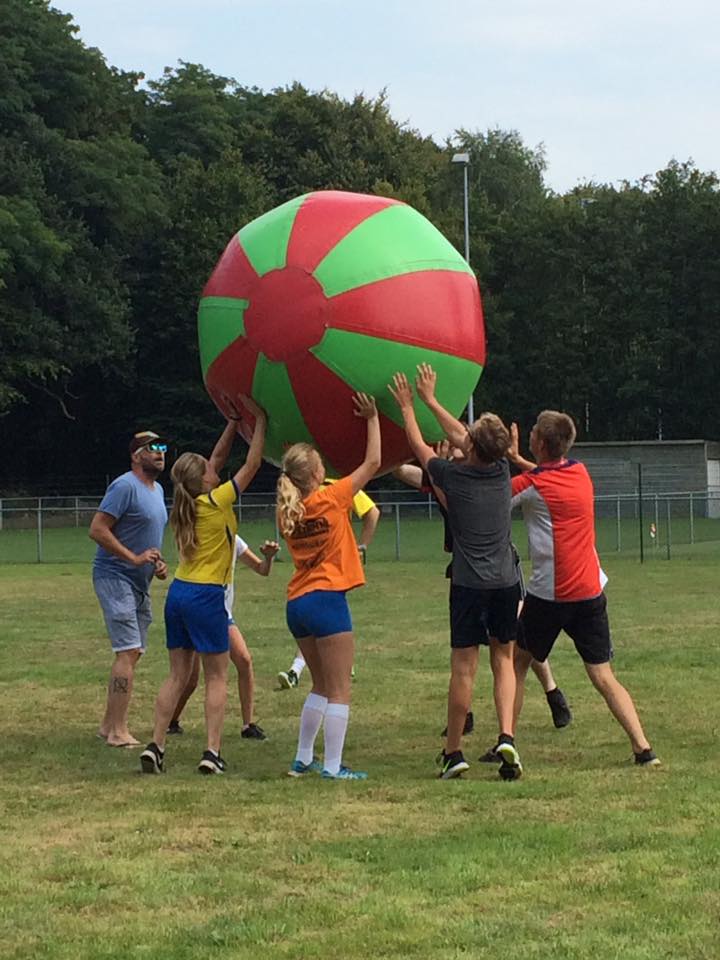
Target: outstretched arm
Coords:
[(514, 450), (251, 466), (370, 521), (221, 450), (365, 408), (253, 561), (425, 381), (402, 394)]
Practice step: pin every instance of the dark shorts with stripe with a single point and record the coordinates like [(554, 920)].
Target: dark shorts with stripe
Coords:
[(584, 621)]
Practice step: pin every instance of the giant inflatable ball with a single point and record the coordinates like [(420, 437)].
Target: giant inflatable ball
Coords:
[(328, 294)]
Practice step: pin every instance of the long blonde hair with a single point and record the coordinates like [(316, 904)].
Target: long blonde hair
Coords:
[(296, 480), (187, 475)]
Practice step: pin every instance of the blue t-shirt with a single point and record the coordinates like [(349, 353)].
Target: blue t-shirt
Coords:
[(140, 523)]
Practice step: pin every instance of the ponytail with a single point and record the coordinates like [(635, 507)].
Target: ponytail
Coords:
[(186, 474), (294, 483)]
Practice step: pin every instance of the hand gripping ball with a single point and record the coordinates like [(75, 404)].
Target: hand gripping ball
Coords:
[(332, 293)]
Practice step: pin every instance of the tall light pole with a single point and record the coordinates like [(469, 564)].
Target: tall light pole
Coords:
[(464, 159)]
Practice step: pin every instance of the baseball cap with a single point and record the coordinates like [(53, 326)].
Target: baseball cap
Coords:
[(144, 438)]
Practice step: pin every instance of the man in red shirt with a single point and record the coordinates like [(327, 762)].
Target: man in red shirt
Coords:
[(565, 591)]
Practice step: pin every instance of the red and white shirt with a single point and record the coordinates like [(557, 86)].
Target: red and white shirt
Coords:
[(557, 502)]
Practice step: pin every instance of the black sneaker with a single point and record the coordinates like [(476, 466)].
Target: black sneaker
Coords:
[(559, 708), (510, 766), (175, 729), (491, 756), (452, 765), (151, 759), (469, 725), (211, 763), (647, 758), (253, 732)]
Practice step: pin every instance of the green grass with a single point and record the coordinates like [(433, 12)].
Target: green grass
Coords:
[(585, 857)]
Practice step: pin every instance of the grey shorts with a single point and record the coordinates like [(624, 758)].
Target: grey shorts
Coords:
[(127, 613)]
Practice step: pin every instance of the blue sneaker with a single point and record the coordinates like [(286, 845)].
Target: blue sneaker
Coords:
[(299, 769), (344, 773)]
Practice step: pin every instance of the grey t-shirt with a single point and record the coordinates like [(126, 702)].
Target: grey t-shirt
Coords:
[(478, 505), (141, 517)]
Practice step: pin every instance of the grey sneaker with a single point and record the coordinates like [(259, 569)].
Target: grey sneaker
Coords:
[(288, 679)]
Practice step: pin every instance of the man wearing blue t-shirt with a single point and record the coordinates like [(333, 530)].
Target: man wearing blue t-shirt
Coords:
[(128, 529)]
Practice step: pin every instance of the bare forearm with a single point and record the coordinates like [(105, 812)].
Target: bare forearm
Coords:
[(221, 450), (422, 451), (454, 430), (106, 539), (254, 458), (369, 526)]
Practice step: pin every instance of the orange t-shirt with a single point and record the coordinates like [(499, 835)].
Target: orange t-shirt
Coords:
[(322, 545)]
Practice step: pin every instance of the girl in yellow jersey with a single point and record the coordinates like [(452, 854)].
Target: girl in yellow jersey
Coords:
[(205, 525), (315, 523)]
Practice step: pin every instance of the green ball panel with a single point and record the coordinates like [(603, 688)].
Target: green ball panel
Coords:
[(220, 321), (393, 241), (272, 388), (265, 240), (368, 364)]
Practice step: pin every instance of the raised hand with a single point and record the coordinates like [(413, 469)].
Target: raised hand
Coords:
[(425, 382), (364, 406), (269, 549), (401, 390), (253, 408)]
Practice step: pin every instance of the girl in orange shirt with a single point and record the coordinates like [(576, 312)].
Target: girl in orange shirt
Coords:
[(315, 524)]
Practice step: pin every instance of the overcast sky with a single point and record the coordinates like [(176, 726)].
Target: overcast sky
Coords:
[(613, 90)]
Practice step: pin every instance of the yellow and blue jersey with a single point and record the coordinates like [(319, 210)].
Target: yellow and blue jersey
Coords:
[(215, 529)]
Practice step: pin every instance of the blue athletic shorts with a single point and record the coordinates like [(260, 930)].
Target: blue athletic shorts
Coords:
[(319, 613), (196, 618)]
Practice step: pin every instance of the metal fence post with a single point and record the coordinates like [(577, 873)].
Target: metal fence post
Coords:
[(692, 520), (640, 513), (618, 532), (77, 511), (397, 531), (667, 546), (39, 531), (429, 496)]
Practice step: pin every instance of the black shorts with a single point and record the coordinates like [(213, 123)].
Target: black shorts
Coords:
[(478, 615), (584, 621)]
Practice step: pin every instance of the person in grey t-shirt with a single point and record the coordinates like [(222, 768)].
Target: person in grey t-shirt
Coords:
[(485, 588), (128, 529)]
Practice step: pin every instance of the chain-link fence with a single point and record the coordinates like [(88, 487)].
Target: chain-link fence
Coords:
[(55, 529)]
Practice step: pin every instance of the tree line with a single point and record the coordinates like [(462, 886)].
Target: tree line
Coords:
[(117, 195)]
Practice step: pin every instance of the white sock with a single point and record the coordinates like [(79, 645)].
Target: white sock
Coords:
[(336, 724), (311, 720), (298, 666)]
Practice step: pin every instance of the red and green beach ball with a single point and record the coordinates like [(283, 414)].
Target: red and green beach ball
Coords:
[(331, 293)]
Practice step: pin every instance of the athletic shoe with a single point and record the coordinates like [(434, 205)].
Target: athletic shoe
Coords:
[(175, 728), (253, 732), (288, 679), (452, 765), (151, 759), (559, 708), (299, 769), (469, 725), (510, 768), (344, 773), (211, 763), (491, 756), (647, 758)]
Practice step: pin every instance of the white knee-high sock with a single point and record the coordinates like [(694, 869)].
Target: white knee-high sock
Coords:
[(298, 665), (311, 720), (336, 724)]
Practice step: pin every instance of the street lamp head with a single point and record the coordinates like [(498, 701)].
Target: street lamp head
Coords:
[(461, 158)]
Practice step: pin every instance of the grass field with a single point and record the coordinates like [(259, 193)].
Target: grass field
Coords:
[(584, 857)]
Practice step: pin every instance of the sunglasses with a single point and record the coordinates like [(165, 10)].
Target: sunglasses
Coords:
[(157, 447)]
